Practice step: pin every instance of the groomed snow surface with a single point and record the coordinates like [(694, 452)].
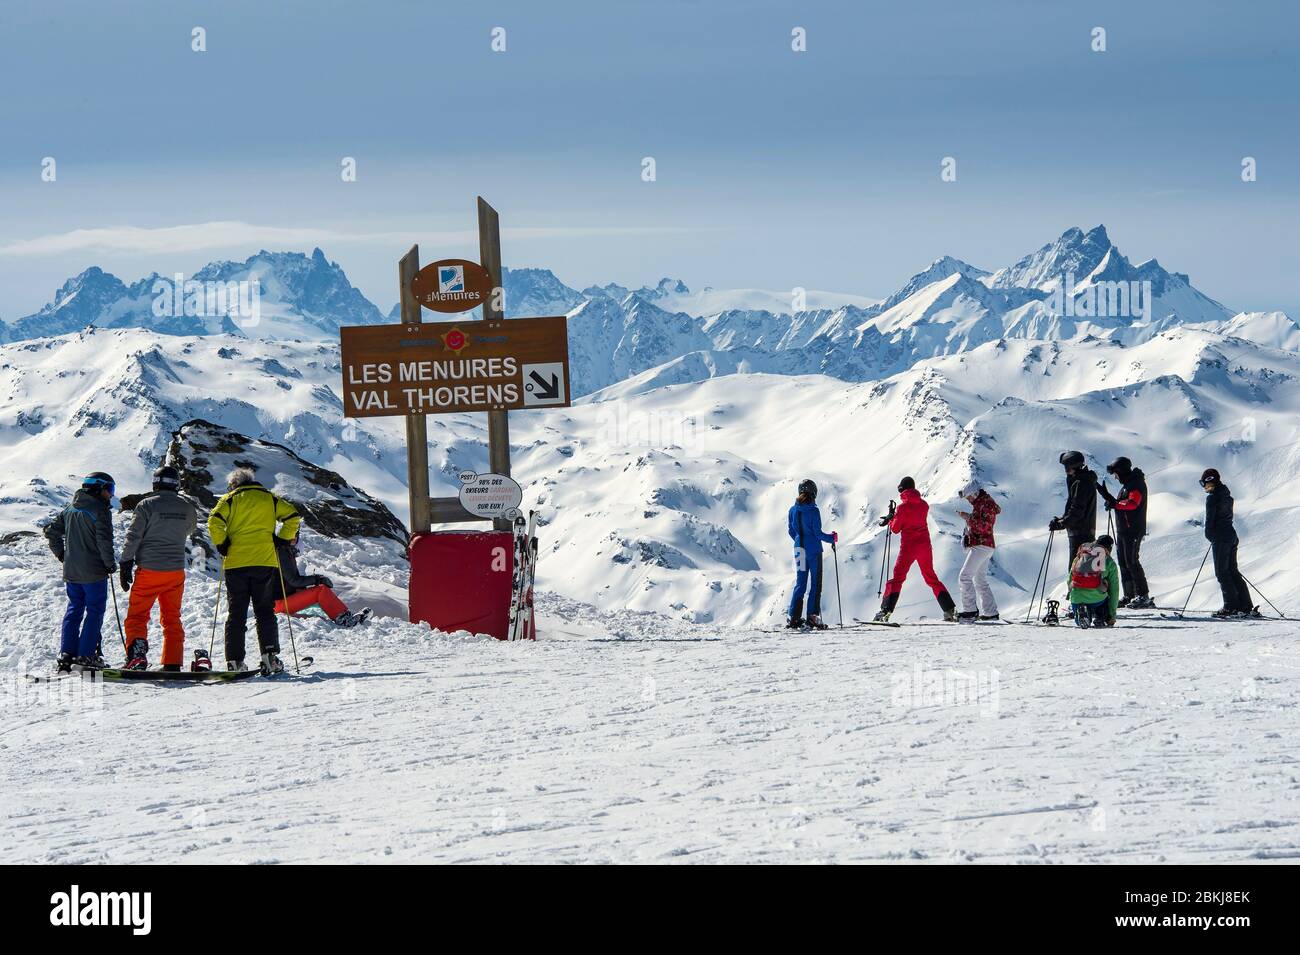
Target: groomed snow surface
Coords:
[(634, 737)]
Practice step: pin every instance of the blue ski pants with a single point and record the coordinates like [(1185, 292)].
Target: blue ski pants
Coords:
[(84, 618), (807, 581)]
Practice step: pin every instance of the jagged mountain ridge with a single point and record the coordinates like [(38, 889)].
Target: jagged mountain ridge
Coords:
[(617, 333)]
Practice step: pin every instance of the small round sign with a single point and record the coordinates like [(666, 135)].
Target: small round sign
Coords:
[(451, 285), (491, 495)]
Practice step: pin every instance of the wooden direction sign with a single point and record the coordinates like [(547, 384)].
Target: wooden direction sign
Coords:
[(451, 285), (448, 367)]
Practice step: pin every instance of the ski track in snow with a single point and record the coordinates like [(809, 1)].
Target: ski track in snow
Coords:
[(632, 737)]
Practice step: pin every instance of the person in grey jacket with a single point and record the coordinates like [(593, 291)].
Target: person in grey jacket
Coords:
[(153, 569), (81, 537)]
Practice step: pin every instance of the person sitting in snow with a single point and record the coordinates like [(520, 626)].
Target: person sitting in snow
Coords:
[(804, 524), (307, 590), (910, 521), (1094, 584)]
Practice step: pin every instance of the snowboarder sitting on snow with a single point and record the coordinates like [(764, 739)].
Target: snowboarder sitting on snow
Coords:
[(81, 537), (978, 541), (910, 520), (156, 543), (243, 529), (1130, 507), (1223, 544), (1080, 518), (1094, 584), (804, 522), (306, 590)]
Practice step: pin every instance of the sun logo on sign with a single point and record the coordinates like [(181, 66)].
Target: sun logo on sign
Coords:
[(454, 340)]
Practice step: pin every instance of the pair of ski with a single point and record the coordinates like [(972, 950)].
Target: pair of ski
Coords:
[(522, 625), (123, 675)]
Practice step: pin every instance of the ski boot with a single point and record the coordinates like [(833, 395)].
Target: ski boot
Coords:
[(794, 623), (200, 663), (271, 664), (967, 616), (1140, 603), (137, 655), (236, 666), (64, 663), (815, 622), (989, 616), (1126, 601), (882, 616), (1082, 617), (349, 619), (950, 615), (1224, 614), (1251, 614), (1053, 616)]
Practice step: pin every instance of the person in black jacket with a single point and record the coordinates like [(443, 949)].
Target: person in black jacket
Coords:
[(305, 590), (1223, 544), (81, 537), (1080, 518), (1130, 507)]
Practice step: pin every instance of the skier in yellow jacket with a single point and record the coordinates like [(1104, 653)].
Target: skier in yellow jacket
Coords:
[(243, 529)]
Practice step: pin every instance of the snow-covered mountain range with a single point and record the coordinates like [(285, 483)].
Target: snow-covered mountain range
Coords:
[(666, 488)]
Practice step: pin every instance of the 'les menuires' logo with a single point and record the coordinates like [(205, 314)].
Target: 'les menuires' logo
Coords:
[(451, 278), (454, 340)]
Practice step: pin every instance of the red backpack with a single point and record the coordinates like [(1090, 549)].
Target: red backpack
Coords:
[(1088, 572)]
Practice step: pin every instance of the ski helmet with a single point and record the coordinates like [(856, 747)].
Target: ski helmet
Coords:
[(1120, 466), (1106, 541), (809, 487), (1072, 459), (1210, 476), (99, 481), (166, 478), (907, 484)]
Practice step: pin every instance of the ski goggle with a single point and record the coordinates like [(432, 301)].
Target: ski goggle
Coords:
[(100, 484)]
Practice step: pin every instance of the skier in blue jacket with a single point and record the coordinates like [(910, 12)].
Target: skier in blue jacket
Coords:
[(804, 523)]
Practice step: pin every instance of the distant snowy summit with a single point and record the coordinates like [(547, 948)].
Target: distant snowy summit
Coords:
[(1076, 287)]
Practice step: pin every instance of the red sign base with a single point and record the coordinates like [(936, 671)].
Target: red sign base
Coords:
[(461, 580)]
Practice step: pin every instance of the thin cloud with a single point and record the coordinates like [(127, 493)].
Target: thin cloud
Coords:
[(203, 236)]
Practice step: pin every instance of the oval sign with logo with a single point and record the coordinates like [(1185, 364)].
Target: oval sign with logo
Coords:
[(451, 285), (490, 495)]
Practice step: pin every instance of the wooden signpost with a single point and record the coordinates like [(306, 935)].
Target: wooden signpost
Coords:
[(418, 368)]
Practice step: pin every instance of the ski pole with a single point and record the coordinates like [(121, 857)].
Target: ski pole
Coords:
[(216, 607), (1266, 600), (1196, 580), (121, 634), (838, 601), (1047, 568), (1029, 613), (288, 614)]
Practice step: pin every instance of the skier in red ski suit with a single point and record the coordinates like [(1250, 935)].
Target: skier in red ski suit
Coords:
[(910, 522)]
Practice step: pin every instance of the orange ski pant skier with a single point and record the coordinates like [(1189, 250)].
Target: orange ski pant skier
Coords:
[(165, 588)]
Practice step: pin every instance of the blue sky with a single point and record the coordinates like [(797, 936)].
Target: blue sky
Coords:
[(774, 168)]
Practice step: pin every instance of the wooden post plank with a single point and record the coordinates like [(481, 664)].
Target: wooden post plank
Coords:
[(417, 434), (489, 247)]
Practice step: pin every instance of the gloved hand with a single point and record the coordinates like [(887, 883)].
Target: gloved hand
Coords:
[(1104, 491), (1056, 524), (884, 521), (323, 581), (224, 547), (126, 574), (59, 555), (835, 537), (1110, 503)]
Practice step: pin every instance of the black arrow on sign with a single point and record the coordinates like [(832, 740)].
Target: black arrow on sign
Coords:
[(546, 390)]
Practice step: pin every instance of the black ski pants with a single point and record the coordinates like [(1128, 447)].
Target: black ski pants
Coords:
[(259, 586), (1131, 574), (1236, 595)]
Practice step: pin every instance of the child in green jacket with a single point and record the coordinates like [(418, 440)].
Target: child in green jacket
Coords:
[(1094, 584)]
